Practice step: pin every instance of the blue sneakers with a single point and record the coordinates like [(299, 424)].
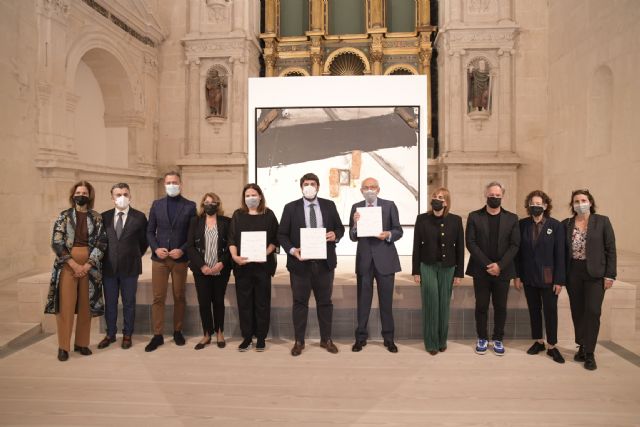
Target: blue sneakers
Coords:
[(498, 348), (481, 346)]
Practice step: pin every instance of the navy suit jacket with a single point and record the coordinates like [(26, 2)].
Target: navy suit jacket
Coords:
[(162, 233), (382, 252), (123, 256), (477, 237), (293, 220), (541, 263)]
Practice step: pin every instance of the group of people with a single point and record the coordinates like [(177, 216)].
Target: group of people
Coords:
[(101, 254)]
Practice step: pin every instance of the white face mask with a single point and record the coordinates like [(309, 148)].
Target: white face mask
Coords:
[(172, 189), (309, 192), (122, 202), (252, 201), (582, 208), (370, 195)]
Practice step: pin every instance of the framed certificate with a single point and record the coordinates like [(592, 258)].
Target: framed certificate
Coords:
[(370, 222), (253, 246)]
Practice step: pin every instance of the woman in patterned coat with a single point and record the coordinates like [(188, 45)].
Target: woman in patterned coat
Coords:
[(79, 241)]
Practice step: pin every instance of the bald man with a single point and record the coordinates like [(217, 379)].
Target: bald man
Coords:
[(376, 257)]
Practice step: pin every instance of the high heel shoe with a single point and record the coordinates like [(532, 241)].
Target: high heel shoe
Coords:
[(202, 345)]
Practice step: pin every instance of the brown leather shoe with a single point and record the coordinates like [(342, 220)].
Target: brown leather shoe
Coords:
[(106, 341), (126, 342), (297, 349), (329, 345)]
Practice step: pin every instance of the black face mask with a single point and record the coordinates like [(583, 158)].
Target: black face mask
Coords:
[(494, 202), (211, 209), (536, 210), (81, 200), (437, 205)]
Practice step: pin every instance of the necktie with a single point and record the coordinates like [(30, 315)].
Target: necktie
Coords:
[(119, 225), (370, 205), (313, 221)]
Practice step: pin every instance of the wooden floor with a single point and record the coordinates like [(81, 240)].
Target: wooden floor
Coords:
[(177, 386)]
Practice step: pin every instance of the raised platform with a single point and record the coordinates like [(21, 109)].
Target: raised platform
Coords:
[(618, 315)]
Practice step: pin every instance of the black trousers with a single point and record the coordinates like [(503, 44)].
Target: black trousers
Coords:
[(541, 300), (585, 298), (211, 290), (253, 290), (384, 283), (319, 279), (496, 290)]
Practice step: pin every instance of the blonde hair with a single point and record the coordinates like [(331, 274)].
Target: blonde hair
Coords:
[(447, 198), (213, 197)]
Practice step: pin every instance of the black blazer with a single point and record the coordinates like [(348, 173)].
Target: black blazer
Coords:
[(601, 246), (425, 243), (477, 237), (196, 242), (541, 263), (383, 253), (162, 233), (289, 232), (124, 257)]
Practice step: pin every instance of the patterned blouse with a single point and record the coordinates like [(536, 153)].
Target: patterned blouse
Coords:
[(579, 244), (211, 246)]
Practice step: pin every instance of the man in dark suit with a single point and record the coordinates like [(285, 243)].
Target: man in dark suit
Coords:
[(493, 239), (126, 230), (376, 257), (316, 274), (167, 235)]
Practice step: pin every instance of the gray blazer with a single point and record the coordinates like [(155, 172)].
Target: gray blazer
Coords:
[(601, 246), (383, 253)]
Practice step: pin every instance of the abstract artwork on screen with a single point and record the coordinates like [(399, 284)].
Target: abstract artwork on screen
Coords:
[(343, 146)]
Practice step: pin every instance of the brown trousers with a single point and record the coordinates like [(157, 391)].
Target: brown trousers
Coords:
[(72, 292), (160, 272)]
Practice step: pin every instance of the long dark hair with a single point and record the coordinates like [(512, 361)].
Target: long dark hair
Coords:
[(584, 192)]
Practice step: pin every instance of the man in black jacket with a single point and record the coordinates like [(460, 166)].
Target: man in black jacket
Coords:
[(126, 230), (306, 275), (493, 239)]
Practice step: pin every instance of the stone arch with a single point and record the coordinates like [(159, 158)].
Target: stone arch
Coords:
[(394, 69), (600, 112), (104, 120), (344, 51), (293, 72)]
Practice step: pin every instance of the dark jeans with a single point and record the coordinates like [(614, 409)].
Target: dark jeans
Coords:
[(384, 283), (125, 287), (585, 298), (211, 290), (541, 300), (496, 290), (319, 279), (253, 290)]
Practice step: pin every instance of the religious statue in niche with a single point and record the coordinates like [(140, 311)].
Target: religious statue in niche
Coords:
[(215, 91), (479, 87)]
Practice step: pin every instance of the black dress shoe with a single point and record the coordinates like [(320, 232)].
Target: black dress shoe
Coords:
[(431, 352), (536, 348), (106, 341), (155, 342), (391, 346), (202, 345), (178, 338), (85, 351), (246, 344), (329, 345), (63, 355), (443, 349), (579, 356), (555, 355), (221, 344), (261, 345), (590, 362), (297, 348), (357, 346)]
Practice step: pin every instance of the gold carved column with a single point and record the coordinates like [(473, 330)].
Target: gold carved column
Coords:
[(317, 19), (269, 37), (376, 28)]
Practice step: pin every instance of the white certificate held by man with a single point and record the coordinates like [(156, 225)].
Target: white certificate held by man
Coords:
[(370, 222), (313, 243), (253, 246)]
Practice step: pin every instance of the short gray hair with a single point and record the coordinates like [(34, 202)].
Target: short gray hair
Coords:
[(495, 184)]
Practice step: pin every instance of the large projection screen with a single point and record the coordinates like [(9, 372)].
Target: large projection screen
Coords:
[(343, 129)]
